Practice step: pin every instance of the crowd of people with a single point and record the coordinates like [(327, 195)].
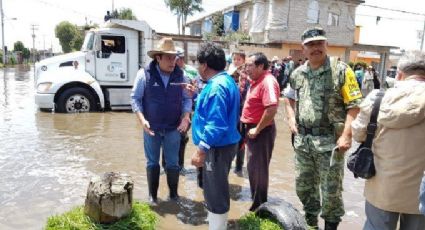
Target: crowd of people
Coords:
[(232, 112)]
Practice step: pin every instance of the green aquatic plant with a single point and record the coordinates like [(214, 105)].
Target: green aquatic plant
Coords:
[(254, 222), (141, 217)]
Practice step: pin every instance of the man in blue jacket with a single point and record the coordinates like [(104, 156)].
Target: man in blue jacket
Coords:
[(214, 131), (163, 108)]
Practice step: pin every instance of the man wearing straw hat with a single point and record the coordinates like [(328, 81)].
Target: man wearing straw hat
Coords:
[(163, 109)]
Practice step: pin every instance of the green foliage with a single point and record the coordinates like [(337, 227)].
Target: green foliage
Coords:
[(26, 53), (141, 217), (18, 46), (218, 24), (12, 60), (237, 36), (66, 33), (184, 8), (91, 26), (124, 13), (253, 222), (78, 42)]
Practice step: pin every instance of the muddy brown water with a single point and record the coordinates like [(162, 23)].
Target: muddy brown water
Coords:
[(47, 160)]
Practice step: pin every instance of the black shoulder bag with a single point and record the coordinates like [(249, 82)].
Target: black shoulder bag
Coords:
[(360, 162)]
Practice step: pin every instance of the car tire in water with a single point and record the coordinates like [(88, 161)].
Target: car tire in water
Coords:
[(76, 100), (285, 213)]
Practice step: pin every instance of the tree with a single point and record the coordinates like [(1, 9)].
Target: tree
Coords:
[(124, 13), (78, 41), (182, 9), (66, 33), (26, 53), (18, 46), (218, 24)]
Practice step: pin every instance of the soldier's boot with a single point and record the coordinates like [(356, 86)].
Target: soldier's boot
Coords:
[(173, 181), (312, 221), (331, 225), (153, 183)]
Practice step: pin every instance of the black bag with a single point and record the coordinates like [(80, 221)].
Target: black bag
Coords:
[(360, 162)]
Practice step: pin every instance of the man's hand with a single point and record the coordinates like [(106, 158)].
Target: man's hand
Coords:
[(344, 143), (184, 125), (147, 127), (293, 125), (191, 88), (252, 133), (198, 158)]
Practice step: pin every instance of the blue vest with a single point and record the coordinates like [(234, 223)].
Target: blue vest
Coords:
[(162, 105)]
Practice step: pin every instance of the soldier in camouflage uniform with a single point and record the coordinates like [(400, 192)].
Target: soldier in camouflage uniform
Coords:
[(326, 100)]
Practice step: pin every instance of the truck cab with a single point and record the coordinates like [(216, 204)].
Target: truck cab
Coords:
[(101, 75)]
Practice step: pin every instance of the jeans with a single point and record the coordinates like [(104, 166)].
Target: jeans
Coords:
[(170, 142)]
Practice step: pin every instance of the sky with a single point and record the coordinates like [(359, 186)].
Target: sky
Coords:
[(394, 29)]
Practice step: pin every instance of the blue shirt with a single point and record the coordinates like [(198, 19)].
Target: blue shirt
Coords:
[(139, 89), (216, 116)]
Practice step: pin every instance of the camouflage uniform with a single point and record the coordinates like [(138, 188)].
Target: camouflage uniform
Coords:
[(323, 97)]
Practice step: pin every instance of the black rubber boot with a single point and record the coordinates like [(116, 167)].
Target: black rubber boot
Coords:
[(240, 155), (153, 183), (311, 220), (182, 149), (331, 225), (173, 181)]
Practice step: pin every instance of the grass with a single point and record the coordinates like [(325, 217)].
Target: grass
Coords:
[(253, 222), (141, 217)]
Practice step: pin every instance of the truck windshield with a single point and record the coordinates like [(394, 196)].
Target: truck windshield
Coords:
[(88, 42)]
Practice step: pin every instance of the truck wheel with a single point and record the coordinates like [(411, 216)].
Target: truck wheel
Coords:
[(76, 100), (284, 213)]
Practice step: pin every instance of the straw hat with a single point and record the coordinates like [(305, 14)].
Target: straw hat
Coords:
[(275, 58), (165, 46)]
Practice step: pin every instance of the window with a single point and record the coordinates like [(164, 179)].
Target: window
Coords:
[(313, 12), (113, 44), (88, 42), (333, 19), (333, 14)]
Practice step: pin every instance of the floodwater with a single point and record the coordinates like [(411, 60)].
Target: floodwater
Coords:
[(47, 160)]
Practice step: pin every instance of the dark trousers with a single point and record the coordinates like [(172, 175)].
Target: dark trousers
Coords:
[(215, 176), (259, 153)]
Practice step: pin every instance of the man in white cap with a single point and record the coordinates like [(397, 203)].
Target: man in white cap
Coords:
[(163, 108)]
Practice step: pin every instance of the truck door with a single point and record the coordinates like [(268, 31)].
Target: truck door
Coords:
[(88, 48), (111, 59)]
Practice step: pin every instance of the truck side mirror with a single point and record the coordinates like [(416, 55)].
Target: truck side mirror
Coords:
[(99, 54)]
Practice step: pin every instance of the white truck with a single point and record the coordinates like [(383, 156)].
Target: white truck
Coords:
[(101, 75)]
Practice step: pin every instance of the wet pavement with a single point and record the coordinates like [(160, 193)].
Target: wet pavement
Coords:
[(47, 160)]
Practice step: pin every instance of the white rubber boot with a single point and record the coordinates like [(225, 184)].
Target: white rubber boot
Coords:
[(217, 221)]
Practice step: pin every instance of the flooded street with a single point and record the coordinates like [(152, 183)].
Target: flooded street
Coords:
[(47, 160)]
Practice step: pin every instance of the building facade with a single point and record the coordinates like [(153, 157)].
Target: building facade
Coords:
[(278, 24)]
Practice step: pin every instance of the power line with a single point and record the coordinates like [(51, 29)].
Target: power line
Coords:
[(395, 10), (390, 18)]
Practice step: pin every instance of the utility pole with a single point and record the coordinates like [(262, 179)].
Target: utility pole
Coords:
[(423, 35), (2, 32), (112, 6), (33, 28)]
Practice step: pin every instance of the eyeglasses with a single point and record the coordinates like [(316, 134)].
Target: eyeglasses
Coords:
[(313, 33)]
